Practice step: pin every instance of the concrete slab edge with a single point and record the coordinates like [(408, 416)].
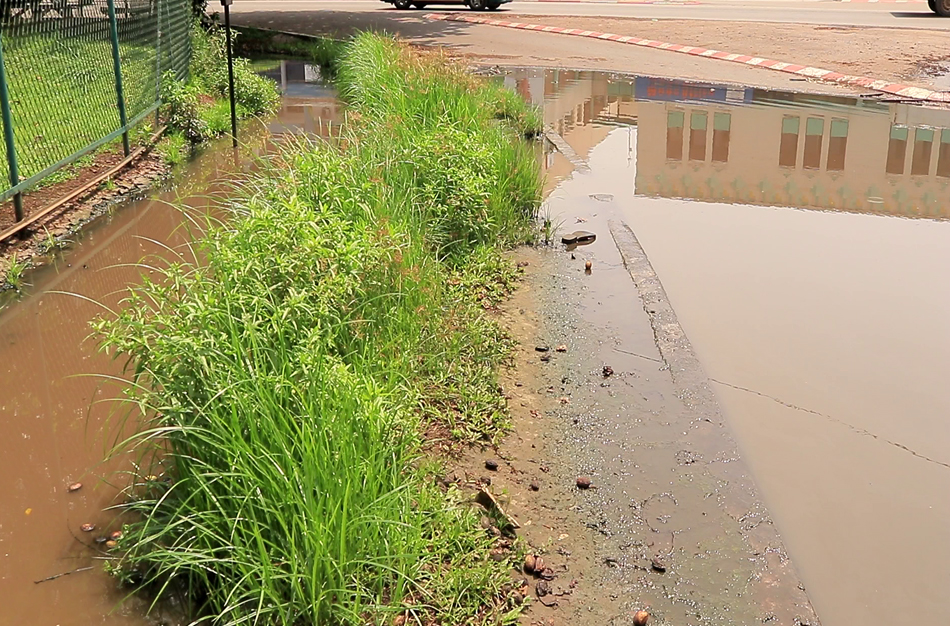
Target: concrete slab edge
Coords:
[(863, 82), (692, 387), (565, 149)]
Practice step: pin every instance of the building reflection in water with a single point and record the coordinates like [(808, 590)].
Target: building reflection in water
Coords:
[(745, 145)]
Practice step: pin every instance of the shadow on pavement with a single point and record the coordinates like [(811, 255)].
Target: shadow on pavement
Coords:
[(409, 24)]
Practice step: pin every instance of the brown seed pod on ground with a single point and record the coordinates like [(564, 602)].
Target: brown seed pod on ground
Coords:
[(116, 535), (587, 266), (583, 482), (529, 563), (640, 618), (87, 528), (110, 544)]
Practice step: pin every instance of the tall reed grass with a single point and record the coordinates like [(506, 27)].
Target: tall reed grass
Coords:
[(287, 378)]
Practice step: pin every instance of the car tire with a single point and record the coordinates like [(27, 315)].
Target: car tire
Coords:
[(941, 7), (402, 5), (419, 5), (476, 5)]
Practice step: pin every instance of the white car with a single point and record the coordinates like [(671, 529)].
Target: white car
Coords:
[(475, 5)]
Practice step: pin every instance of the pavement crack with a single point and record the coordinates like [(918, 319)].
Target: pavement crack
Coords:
[(852, 427), (642, 356)]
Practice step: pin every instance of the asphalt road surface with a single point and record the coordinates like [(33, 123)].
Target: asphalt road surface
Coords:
[(826, 12)]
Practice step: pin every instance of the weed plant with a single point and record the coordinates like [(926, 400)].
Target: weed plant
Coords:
[(284, 382)]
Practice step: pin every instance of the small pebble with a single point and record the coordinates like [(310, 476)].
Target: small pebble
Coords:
[(87, 528), (608, 371), (111, 544), (561, 348), (583, 482), (658, 564), (545, 358), (535, 485), (491, 464), (516, 598), (541, 348), (547, 574), (640, 618), (485, 522), (588, 265), (74, 487), (565, 400), (116, 535)]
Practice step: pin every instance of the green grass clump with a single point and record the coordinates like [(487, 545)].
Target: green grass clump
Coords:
[(383, 88), (174, 148), (339, 310)]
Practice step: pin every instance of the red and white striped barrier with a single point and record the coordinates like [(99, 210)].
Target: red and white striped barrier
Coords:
[(904, 91)]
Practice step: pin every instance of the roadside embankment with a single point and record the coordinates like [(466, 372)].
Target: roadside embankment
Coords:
[(338, 314)]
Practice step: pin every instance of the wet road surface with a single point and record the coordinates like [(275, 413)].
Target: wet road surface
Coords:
[(804, 245)]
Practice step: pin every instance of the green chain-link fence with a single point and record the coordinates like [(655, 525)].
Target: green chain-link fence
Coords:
[(77, 74)]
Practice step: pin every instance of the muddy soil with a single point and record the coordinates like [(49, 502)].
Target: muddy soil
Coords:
[(605, 386), (671, 522)]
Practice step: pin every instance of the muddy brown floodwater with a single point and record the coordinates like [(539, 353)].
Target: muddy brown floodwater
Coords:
[(804, 245), (54, 428)]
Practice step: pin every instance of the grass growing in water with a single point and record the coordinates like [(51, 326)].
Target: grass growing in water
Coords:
[(289, 376)]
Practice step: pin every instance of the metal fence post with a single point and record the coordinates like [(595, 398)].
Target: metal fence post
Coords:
[(8, 135), (227, 32), (158, 63), (117, 65)]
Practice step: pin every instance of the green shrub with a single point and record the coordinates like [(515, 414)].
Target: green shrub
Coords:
[(181, 109), (209, 70)]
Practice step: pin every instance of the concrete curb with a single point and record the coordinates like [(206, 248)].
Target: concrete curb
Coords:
[(896, 89)]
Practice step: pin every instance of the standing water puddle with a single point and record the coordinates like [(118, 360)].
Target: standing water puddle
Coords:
[(804, 246), (52, 376)]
